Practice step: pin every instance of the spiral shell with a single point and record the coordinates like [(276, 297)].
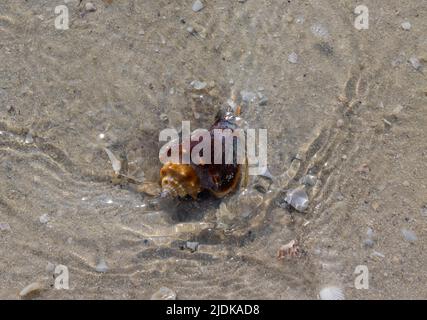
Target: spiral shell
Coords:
[(179, 180)]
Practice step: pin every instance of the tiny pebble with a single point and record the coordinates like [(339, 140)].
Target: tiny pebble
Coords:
[(198, 85), (44, 218), (409, 235), (90, 7), (192, 245), (293, 58), (164, 294), (308, 180), (331, 293), (424, 211), (263, 101), (197, 6), (300, 20), (398, 109), (247, 96), (190, 30), (164, 117), (297, 198), (29, 138), (406, 25), (378, 254), (50, 267), (319, 30), (4, 226), (415, 62), (101, 266), (368, 243)]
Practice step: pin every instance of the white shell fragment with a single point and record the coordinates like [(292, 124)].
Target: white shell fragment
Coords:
[(101, 266), (31, 288), (247, 96), (90, 7), (29, 138), (406, 25), (192, 245), (319, 30), (415, 62), (198, 85), (308, 180), (164, 294), (409, 235), (331, 293), (4, 226), (116, 163), (293, 58), (298, 199), (44, 218), (197, 6)]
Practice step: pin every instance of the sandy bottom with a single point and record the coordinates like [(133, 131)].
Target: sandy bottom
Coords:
[(345, 106)]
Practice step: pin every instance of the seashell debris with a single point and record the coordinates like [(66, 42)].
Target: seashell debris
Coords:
[(164, 294), (30, 289), (297, 198), (290, 249), (116, 163), (331, 293)]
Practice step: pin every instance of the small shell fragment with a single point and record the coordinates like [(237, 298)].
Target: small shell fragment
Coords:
[(101, 266), (31, 288), (331, 293), (164, 294), (298, 199), (44, 218), (90, 7), (409, 235), (4, 226), (406, 25), (116, 163), (290, 249)]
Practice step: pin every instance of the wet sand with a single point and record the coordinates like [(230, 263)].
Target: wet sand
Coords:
[(346, 106)]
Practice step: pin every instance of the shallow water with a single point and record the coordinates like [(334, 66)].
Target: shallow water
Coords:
[(350, 112)]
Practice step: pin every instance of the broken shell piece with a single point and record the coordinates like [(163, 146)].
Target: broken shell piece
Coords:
[(116, 163), (331, 293), (297, 198), (198, 85), (308, 180), (4, 226), (164, 294), (290, 249), (101, 266), (30, 289)]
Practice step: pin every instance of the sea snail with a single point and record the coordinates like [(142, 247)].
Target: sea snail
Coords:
[(181, 180)]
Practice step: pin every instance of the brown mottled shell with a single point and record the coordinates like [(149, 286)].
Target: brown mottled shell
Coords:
[(179, 180), (190, 179)]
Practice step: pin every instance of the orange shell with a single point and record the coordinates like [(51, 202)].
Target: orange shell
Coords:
[(179, 180)]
